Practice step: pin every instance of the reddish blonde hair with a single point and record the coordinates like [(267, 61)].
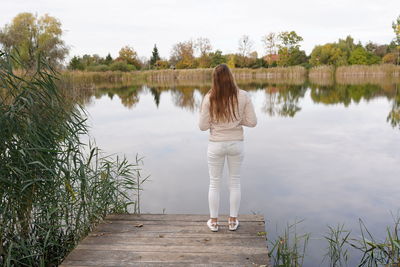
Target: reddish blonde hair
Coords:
[(223, 95)]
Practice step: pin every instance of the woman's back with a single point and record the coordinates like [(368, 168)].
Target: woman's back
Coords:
[(232, 130), (225, 110)]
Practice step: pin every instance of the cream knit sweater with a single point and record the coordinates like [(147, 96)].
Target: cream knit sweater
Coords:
[(228, 131)]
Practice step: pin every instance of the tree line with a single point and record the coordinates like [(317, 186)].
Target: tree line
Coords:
[(31, 35)]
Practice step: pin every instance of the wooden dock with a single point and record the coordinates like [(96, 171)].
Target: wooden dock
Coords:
[(171, 240)]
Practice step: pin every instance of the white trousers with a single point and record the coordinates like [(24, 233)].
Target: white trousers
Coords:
[(216, 153)]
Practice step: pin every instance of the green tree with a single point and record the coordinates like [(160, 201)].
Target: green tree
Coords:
[(289, 39), (336, 54), (361, 56), (108, 60), (76, 64), (289, 49), (154, 57), (30, 35), (217, 58)]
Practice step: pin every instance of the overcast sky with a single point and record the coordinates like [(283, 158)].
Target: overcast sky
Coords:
[(100, 27)]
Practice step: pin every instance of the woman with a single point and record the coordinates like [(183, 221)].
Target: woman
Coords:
[(224, 110)]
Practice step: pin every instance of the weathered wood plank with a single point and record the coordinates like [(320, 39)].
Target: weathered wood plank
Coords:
[(171, 240), (174, 222), (180, 217), (249, 241), (249, 228), (105, 257)]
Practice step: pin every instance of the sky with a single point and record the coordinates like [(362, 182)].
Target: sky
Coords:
[(102, 27)]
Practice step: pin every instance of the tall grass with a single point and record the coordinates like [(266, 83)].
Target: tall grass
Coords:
[(337, 253), (289, 248), (85, 80), (53, 187), (381, 70)]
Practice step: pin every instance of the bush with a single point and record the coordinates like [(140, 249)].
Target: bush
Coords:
[(98, 68), (121, 66)]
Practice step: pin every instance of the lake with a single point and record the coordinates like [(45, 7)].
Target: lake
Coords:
[(327, 154)]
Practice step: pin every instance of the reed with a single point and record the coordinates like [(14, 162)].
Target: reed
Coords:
[(337, 252), (381, 70), (322, 75), (375, 252), (87, 79), (54, 188), (288, 250)]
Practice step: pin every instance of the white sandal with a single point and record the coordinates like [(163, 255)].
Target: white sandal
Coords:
[(233, 225), (212, 225)]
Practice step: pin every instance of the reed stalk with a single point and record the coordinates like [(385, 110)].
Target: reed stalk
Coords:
[(54, 188)]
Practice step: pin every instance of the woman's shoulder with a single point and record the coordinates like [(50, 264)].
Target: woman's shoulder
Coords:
[(242, 93)]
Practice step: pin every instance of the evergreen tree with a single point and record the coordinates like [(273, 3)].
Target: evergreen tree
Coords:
[(108, 59), (155, 56)]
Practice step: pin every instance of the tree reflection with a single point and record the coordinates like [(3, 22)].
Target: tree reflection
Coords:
[(283, 100), (129, 95), (394, 115), (345, 93), (184, 97), (156, 92)]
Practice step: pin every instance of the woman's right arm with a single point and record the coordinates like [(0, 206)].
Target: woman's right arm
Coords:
[(249, 115), (204, 121)]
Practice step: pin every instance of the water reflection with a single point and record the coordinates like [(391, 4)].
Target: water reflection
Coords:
[(281, 99)]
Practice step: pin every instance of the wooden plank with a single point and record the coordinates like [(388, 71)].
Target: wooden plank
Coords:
[(249, 241), (249, 228), (171, 248), (106, 258), (180, 217), (171, 240), (172, 222)]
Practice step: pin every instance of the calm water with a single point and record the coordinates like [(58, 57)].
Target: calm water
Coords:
[(327, 155)]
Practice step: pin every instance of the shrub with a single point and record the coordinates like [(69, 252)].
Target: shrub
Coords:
[(121, 66)]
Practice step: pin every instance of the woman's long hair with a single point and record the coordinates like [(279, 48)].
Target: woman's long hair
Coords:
[(223, 95)]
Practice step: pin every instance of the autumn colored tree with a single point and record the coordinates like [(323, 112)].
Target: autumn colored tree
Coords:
[(182, 55), (161, 64), (203, 45), (128, 55), (30, 35), (396, 29), (328, 54)]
